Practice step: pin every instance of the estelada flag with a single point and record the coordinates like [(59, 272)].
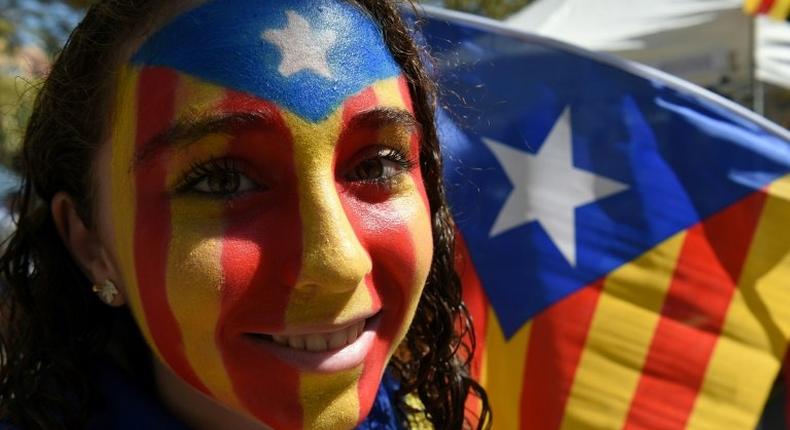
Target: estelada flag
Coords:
[(625, 236), (778, 9)]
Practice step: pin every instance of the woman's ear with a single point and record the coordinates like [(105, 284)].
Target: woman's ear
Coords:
[(86, 248)]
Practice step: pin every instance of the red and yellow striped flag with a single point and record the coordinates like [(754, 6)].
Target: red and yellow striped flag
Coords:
[(777, 9), (691, 334), (625, 248)]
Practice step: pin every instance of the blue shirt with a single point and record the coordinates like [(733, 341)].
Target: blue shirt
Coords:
[(128, 407)]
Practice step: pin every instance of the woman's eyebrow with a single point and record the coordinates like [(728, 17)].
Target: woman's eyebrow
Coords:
[(384, 116), (188, 130)]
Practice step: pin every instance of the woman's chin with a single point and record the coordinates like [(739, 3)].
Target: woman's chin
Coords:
[(337, 399), (332, 389)]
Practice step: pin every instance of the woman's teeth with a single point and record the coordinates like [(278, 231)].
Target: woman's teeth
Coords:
[(322, 341)]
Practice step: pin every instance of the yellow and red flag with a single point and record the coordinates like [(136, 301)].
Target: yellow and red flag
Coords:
[(624, 243), (777, 9)]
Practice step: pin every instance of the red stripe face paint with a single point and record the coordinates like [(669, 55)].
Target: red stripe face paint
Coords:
[(261, 239), (152, 223), (260, 261), (278, 250), (388, 221)]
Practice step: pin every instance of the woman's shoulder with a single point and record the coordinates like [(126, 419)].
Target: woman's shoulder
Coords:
[(126, 405), (123, 404)]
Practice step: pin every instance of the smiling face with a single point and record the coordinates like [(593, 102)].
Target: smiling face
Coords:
[(269, 215)]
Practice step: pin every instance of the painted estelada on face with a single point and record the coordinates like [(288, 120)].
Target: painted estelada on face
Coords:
[(298, 54), (271, 220)]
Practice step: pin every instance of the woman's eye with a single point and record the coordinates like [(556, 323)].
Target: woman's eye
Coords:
[(383, 166), (224, 183), (219, 178)]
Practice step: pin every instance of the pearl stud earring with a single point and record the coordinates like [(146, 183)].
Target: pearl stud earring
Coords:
[(107, 291)]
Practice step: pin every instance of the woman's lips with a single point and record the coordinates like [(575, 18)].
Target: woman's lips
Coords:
[(324, 351), (318, 342)]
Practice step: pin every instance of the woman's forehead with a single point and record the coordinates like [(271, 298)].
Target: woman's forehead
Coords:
[(307, 56)]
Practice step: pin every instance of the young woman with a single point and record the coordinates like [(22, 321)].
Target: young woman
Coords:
[(233, 217)]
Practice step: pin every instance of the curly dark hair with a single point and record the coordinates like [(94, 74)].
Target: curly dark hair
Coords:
[(52, 328)]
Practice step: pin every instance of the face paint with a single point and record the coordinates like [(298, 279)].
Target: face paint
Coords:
[(270, 215)]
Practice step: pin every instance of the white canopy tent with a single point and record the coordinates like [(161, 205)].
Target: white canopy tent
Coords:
[(709, 42), (773, 51)]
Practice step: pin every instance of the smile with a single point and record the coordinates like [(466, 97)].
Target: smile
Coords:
[(323, 350), (317, 342)]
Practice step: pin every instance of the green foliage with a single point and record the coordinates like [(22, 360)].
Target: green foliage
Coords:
[(16, 102), (498, 9), (31, 32)]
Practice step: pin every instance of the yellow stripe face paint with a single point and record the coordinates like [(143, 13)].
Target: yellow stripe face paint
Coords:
[(271, 219), (123, 204)]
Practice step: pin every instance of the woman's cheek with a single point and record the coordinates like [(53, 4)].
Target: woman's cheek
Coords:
[(398, 236), (194, 287), (417, 236), (260, 260)]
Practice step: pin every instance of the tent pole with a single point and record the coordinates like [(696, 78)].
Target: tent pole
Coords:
[(759, 97), (757, 87)]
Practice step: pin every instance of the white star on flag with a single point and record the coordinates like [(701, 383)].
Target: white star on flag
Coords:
[(301, 47), (548, 188)]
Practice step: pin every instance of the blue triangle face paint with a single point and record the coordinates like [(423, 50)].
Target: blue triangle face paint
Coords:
[(305, 55)]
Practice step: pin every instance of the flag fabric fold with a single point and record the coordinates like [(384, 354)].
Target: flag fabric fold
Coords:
[(622, 235)]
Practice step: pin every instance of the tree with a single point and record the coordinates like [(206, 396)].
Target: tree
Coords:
[(498, 9), (31, 32)]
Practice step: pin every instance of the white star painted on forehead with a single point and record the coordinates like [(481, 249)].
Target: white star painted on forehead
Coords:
[(548, 188), (301, 47)]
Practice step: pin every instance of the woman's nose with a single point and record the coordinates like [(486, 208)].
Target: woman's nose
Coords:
[(334, 262), (333, 259)]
